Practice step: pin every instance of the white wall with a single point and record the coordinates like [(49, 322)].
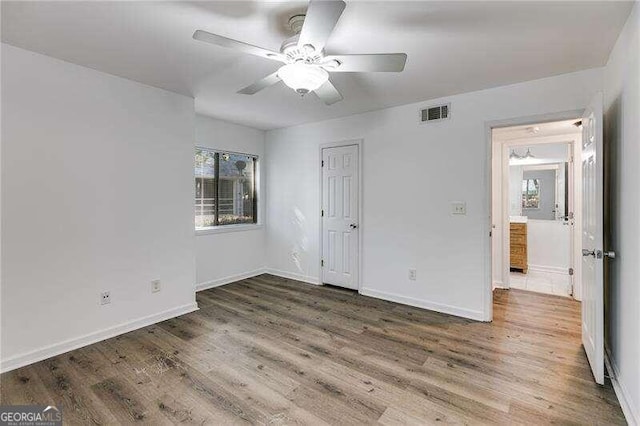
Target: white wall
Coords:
[(97, 194), (622, 140), (228, 256), (411, 174), (515, 190), (549, 245)]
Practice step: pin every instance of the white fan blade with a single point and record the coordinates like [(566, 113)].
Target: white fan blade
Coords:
[(237, 45), (322, 16), (383, 62), (328, 93), (261, 84)]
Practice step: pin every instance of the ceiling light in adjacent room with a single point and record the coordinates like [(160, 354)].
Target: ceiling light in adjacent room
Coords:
[(514, 156), (528, 155)]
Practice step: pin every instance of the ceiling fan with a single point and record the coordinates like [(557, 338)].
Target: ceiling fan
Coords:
[(306, 66)]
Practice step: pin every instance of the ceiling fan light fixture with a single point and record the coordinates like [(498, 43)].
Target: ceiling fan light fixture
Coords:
[(303, 78), (307, 67)]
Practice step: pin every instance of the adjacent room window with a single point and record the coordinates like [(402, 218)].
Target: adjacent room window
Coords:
[(531, 193), (225, 188)]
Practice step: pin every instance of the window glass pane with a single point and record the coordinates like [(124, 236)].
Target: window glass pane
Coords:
[(236, 190), (205, 188), (224, 188), (531, 193)]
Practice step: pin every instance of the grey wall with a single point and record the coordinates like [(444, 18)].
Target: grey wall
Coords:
[(547, 194), (622, 144)]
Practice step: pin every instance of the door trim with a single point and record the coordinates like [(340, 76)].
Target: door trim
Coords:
[(359, 143), (487, 294)]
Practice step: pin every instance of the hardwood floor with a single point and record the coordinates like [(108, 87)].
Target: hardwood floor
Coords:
[(274, 351)]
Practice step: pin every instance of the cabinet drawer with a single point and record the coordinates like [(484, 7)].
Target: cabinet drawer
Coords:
[(518, 240), (518, 228), (519, 251), (518, 263)]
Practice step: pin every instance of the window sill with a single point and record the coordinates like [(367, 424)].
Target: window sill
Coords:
[(228, 228)]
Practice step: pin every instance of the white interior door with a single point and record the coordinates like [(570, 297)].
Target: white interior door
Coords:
[(592, 239), (340, 210)]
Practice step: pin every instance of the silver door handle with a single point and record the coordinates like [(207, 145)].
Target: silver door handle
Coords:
[(610, 254), (353, 226), (586, 252)]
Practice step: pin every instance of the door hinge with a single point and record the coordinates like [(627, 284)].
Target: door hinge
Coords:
[(322, 213), (322, 263), (571, 271), (322, 163)]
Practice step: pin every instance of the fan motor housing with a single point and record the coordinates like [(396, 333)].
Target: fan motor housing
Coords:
[(290, 48), (296, 22), (295, 53)]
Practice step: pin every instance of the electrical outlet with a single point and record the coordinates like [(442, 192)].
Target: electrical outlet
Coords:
[(459, 207), (155, 286), (105, 298), (412, 274)]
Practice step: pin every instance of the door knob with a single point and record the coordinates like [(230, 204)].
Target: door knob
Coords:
[(353, 226), (586, 252)]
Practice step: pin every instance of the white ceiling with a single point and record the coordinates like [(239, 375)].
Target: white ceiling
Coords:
[(543, 153), (553, 128), (452, 47)]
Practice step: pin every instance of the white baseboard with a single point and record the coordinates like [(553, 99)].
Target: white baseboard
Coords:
[(631, 413), (425, 304), (551, 269), (78, 342), (227, 280), (293, 276)]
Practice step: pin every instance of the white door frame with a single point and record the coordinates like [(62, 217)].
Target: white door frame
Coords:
[(576, 234), (489, 126), (359, 143)]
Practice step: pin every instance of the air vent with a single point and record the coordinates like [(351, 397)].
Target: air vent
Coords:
[(434, 113)]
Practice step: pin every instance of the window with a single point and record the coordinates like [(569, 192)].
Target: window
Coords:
[(225, 188), (531, 193)]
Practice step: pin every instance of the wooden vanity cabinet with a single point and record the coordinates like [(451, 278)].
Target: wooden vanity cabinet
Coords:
[(519, 247)]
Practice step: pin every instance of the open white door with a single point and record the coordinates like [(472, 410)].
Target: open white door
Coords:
[(340, 216), (592, 238)]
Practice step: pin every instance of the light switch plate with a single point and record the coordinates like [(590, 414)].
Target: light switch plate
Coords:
[(459, 207)]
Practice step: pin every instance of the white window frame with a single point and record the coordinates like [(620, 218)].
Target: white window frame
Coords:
[(221, 229)]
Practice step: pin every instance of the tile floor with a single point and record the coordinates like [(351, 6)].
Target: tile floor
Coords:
[(542, 282)]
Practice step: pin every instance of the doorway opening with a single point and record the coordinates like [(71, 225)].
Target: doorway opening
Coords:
[(536, 207), (581, 132)]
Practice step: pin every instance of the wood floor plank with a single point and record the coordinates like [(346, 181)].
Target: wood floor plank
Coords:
[(269, 350)]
